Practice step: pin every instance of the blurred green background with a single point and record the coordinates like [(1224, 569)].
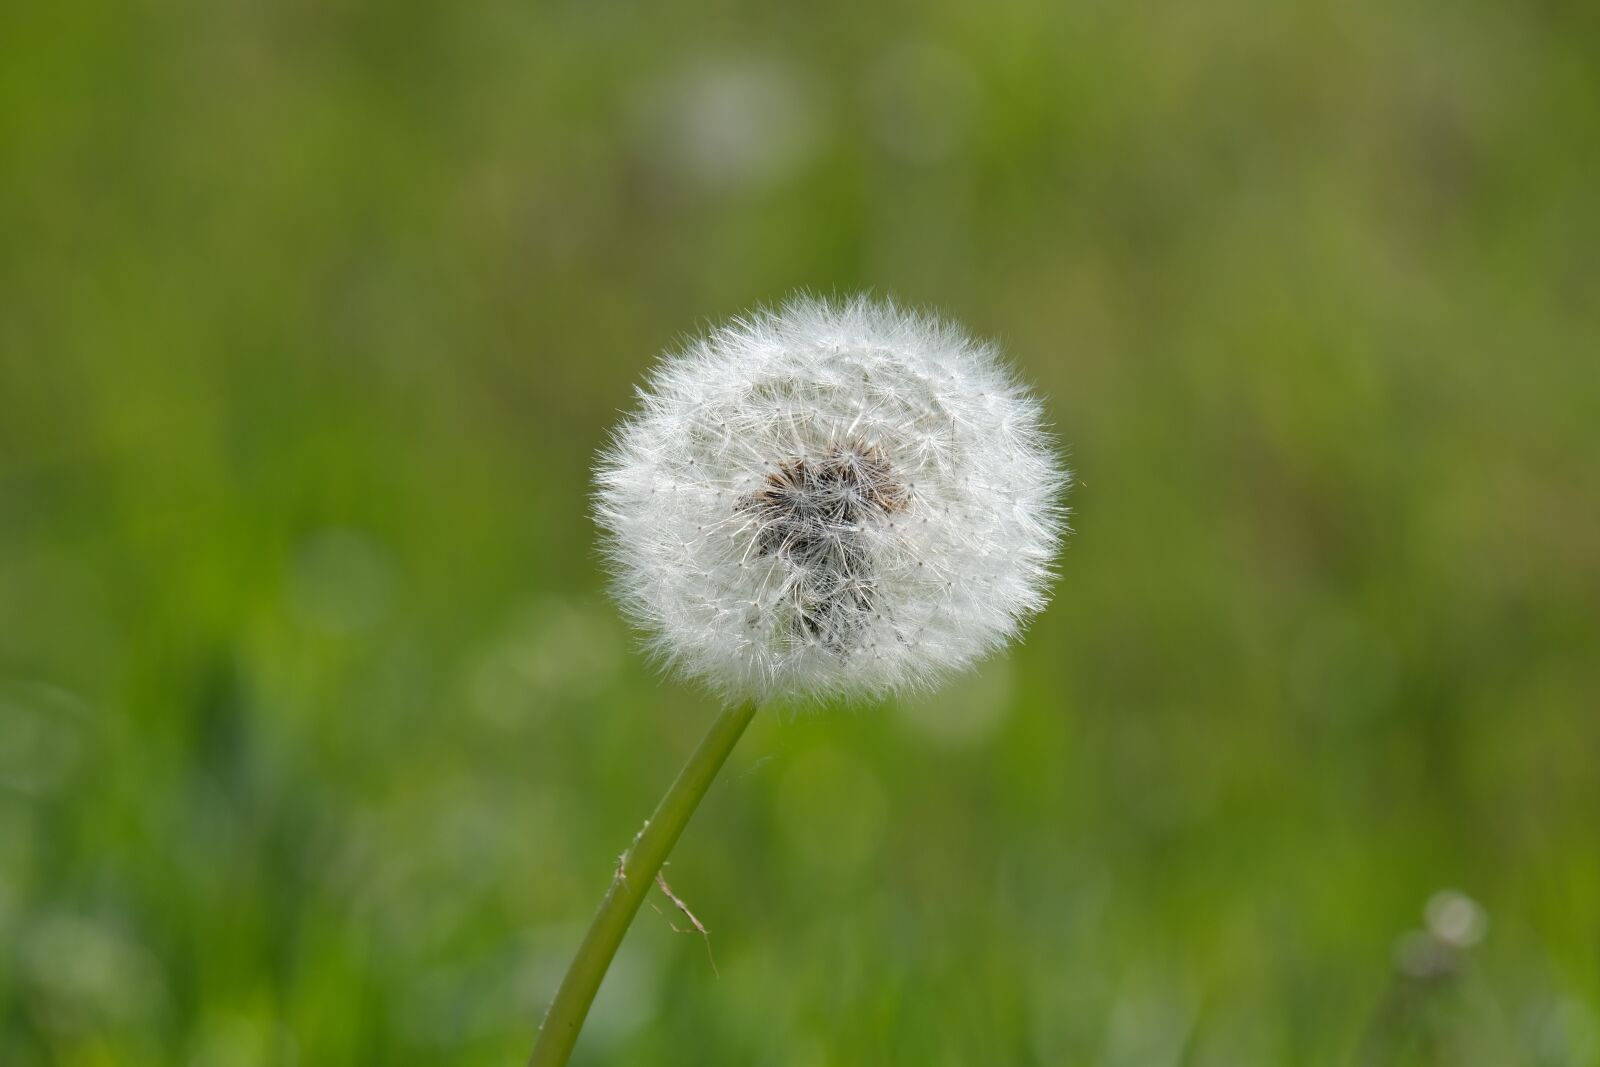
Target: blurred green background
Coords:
[(318, 737)]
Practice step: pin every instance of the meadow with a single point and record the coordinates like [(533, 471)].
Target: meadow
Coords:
[(319, 735)]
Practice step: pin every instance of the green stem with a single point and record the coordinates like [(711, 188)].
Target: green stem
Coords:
[(635, 873)]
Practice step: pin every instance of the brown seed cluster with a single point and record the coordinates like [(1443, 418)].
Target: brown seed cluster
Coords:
[(810, 512), (807, 504)]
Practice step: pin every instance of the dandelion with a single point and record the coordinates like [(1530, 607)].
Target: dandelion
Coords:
[(829, 500)]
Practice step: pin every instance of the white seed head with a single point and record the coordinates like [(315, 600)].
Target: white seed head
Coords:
[(831, 500)]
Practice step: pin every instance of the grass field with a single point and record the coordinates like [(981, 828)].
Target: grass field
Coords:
[(319, 737)]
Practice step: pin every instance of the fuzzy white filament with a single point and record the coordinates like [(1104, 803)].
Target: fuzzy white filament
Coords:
[(832, 499)]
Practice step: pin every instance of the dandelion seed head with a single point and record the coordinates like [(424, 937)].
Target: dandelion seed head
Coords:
[(831, 499)]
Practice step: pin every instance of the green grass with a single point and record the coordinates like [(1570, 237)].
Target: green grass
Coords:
[(318, 738)]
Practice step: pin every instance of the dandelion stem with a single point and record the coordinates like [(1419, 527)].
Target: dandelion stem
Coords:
[(636, 873)]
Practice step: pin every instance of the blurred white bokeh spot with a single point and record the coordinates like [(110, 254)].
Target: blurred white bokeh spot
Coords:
[(723, 123), (87, 973), (1455, 918)]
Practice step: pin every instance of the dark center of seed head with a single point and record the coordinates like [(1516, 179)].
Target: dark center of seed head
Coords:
[(810, 511), (808, 508)]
